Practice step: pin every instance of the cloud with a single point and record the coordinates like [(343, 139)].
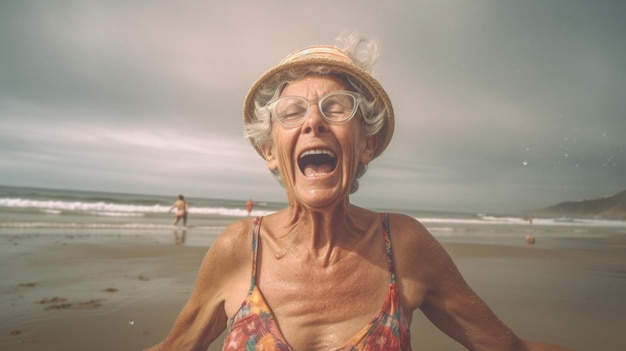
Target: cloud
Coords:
[(499, 106)]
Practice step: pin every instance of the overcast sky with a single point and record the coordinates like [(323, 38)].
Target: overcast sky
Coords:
[(501, 106)]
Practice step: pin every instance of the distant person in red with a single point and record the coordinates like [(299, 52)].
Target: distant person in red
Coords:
[(249, 206), (181, 210)]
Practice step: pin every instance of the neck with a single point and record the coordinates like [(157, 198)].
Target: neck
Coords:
[(321, 235)]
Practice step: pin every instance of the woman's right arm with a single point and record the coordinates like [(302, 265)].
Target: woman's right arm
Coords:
[(203, 318)]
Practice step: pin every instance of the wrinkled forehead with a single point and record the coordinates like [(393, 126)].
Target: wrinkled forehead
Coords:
[(313, 85), (283, 78)]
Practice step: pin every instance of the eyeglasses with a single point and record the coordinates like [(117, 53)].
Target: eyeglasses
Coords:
[(336, 107)]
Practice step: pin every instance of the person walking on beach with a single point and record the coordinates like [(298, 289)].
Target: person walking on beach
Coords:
[(249, 206), (181, 210), (322, 273)]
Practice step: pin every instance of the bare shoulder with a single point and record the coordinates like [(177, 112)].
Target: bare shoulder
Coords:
[(236, 234), (409, 236), (412, 242), (419, 258), (231, 248)]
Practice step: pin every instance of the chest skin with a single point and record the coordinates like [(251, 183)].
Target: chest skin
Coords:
[(321, 306)]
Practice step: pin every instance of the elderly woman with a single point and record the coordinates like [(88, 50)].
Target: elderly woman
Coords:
[(323, 274)]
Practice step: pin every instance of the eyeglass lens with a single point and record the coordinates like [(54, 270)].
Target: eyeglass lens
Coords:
[(335, 107)]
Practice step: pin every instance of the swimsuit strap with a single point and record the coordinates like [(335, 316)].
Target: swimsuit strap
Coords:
[(255, 243), (387, 238)]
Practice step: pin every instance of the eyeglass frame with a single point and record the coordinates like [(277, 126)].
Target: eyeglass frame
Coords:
[(356, 96)]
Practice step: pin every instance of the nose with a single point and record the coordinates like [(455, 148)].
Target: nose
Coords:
[(314, 121)]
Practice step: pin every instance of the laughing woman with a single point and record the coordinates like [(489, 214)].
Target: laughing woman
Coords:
[(323, 274)]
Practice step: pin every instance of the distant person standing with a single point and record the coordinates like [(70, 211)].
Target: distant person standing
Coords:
[(249, 206), (181, 210)]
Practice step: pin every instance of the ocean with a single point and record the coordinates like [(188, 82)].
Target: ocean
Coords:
[(70, 212)]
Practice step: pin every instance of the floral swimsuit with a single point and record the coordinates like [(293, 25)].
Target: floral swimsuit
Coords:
[(255, 328)]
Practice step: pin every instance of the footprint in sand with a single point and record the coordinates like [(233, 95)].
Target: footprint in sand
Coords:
[(143, 277), (54, 300), (60, 303), (94, 303), (27, 285), (61, 306)]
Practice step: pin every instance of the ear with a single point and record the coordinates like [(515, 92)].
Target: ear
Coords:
[(270, 156), (367, 150)]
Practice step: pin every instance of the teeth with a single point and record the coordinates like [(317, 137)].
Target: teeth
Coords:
[(318, 152)]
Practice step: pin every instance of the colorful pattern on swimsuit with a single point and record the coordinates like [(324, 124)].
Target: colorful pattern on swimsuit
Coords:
[(255, 328)]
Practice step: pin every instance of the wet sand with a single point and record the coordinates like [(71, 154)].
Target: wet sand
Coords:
[(77, 292)]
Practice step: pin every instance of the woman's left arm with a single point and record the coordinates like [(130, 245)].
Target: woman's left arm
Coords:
[(426, 270)]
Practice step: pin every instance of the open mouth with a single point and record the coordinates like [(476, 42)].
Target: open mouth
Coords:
[(317, 162)]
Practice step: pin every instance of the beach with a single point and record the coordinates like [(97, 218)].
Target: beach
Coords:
[(101, 284), (115, 292)]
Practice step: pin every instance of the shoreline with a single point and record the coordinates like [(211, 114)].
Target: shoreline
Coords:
[(123, 292)]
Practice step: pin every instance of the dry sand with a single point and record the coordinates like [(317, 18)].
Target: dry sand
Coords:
[(88, 292)]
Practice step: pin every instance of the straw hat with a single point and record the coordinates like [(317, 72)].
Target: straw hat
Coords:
[(338, 61)]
